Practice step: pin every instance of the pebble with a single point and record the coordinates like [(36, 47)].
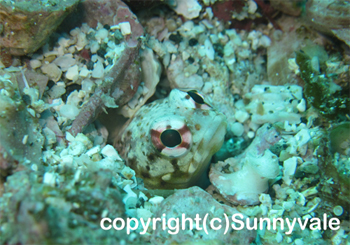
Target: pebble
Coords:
[(252, 7), (82, 41), (156, 200), (237, 129), (338, 210), (241, 116), (265, 41), (57, 91), (289, 167), (98, 71), (49, 179), (209, 49), (214, 38), (71, 49), (250, 134), (207, 24), (170, 47), (209, 12), (76, 148), (84, 72), (87, 85), (188, 25), (72, 73), (65, 42), (65, 61), (67, 160), (192, 42), (109, 151), (69, 111), (94, 46), (185, 55), (101, 34), (207, 88), (171, 25), (301, 106), (52, 71), (34, 63), (125, 28), (93, 150), (190, 9)]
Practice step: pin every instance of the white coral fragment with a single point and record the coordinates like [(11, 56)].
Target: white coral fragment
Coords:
[(251, 170), (130, 199), (270, 104), (98, 71), (209, 49), (289, 167), (125, 28), (109, 151), (49, 179)]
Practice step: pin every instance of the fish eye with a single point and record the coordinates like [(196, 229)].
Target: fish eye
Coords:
[(196, 97), (171, 137)]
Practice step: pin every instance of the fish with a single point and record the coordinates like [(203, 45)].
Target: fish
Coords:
[(169, 142)]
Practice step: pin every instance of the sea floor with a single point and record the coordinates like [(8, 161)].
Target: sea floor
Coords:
[(192, 122)]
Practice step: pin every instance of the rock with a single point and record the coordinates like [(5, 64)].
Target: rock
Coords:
[(5, 57), (329, 17), (343, 34), (283, 47), (25, 18), (193, 201)]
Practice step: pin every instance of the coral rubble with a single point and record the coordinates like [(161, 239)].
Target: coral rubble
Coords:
[(105, 117)]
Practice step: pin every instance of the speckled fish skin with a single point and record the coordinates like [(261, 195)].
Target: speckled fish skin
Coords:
[(207, 129)]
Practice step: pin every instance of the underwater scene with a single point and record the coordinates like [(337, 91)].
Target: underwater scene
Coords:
[(201, 122)]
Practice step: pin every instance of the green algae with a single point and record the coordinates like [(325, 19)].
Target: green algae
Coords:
[(318, 89), (340, 138)]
